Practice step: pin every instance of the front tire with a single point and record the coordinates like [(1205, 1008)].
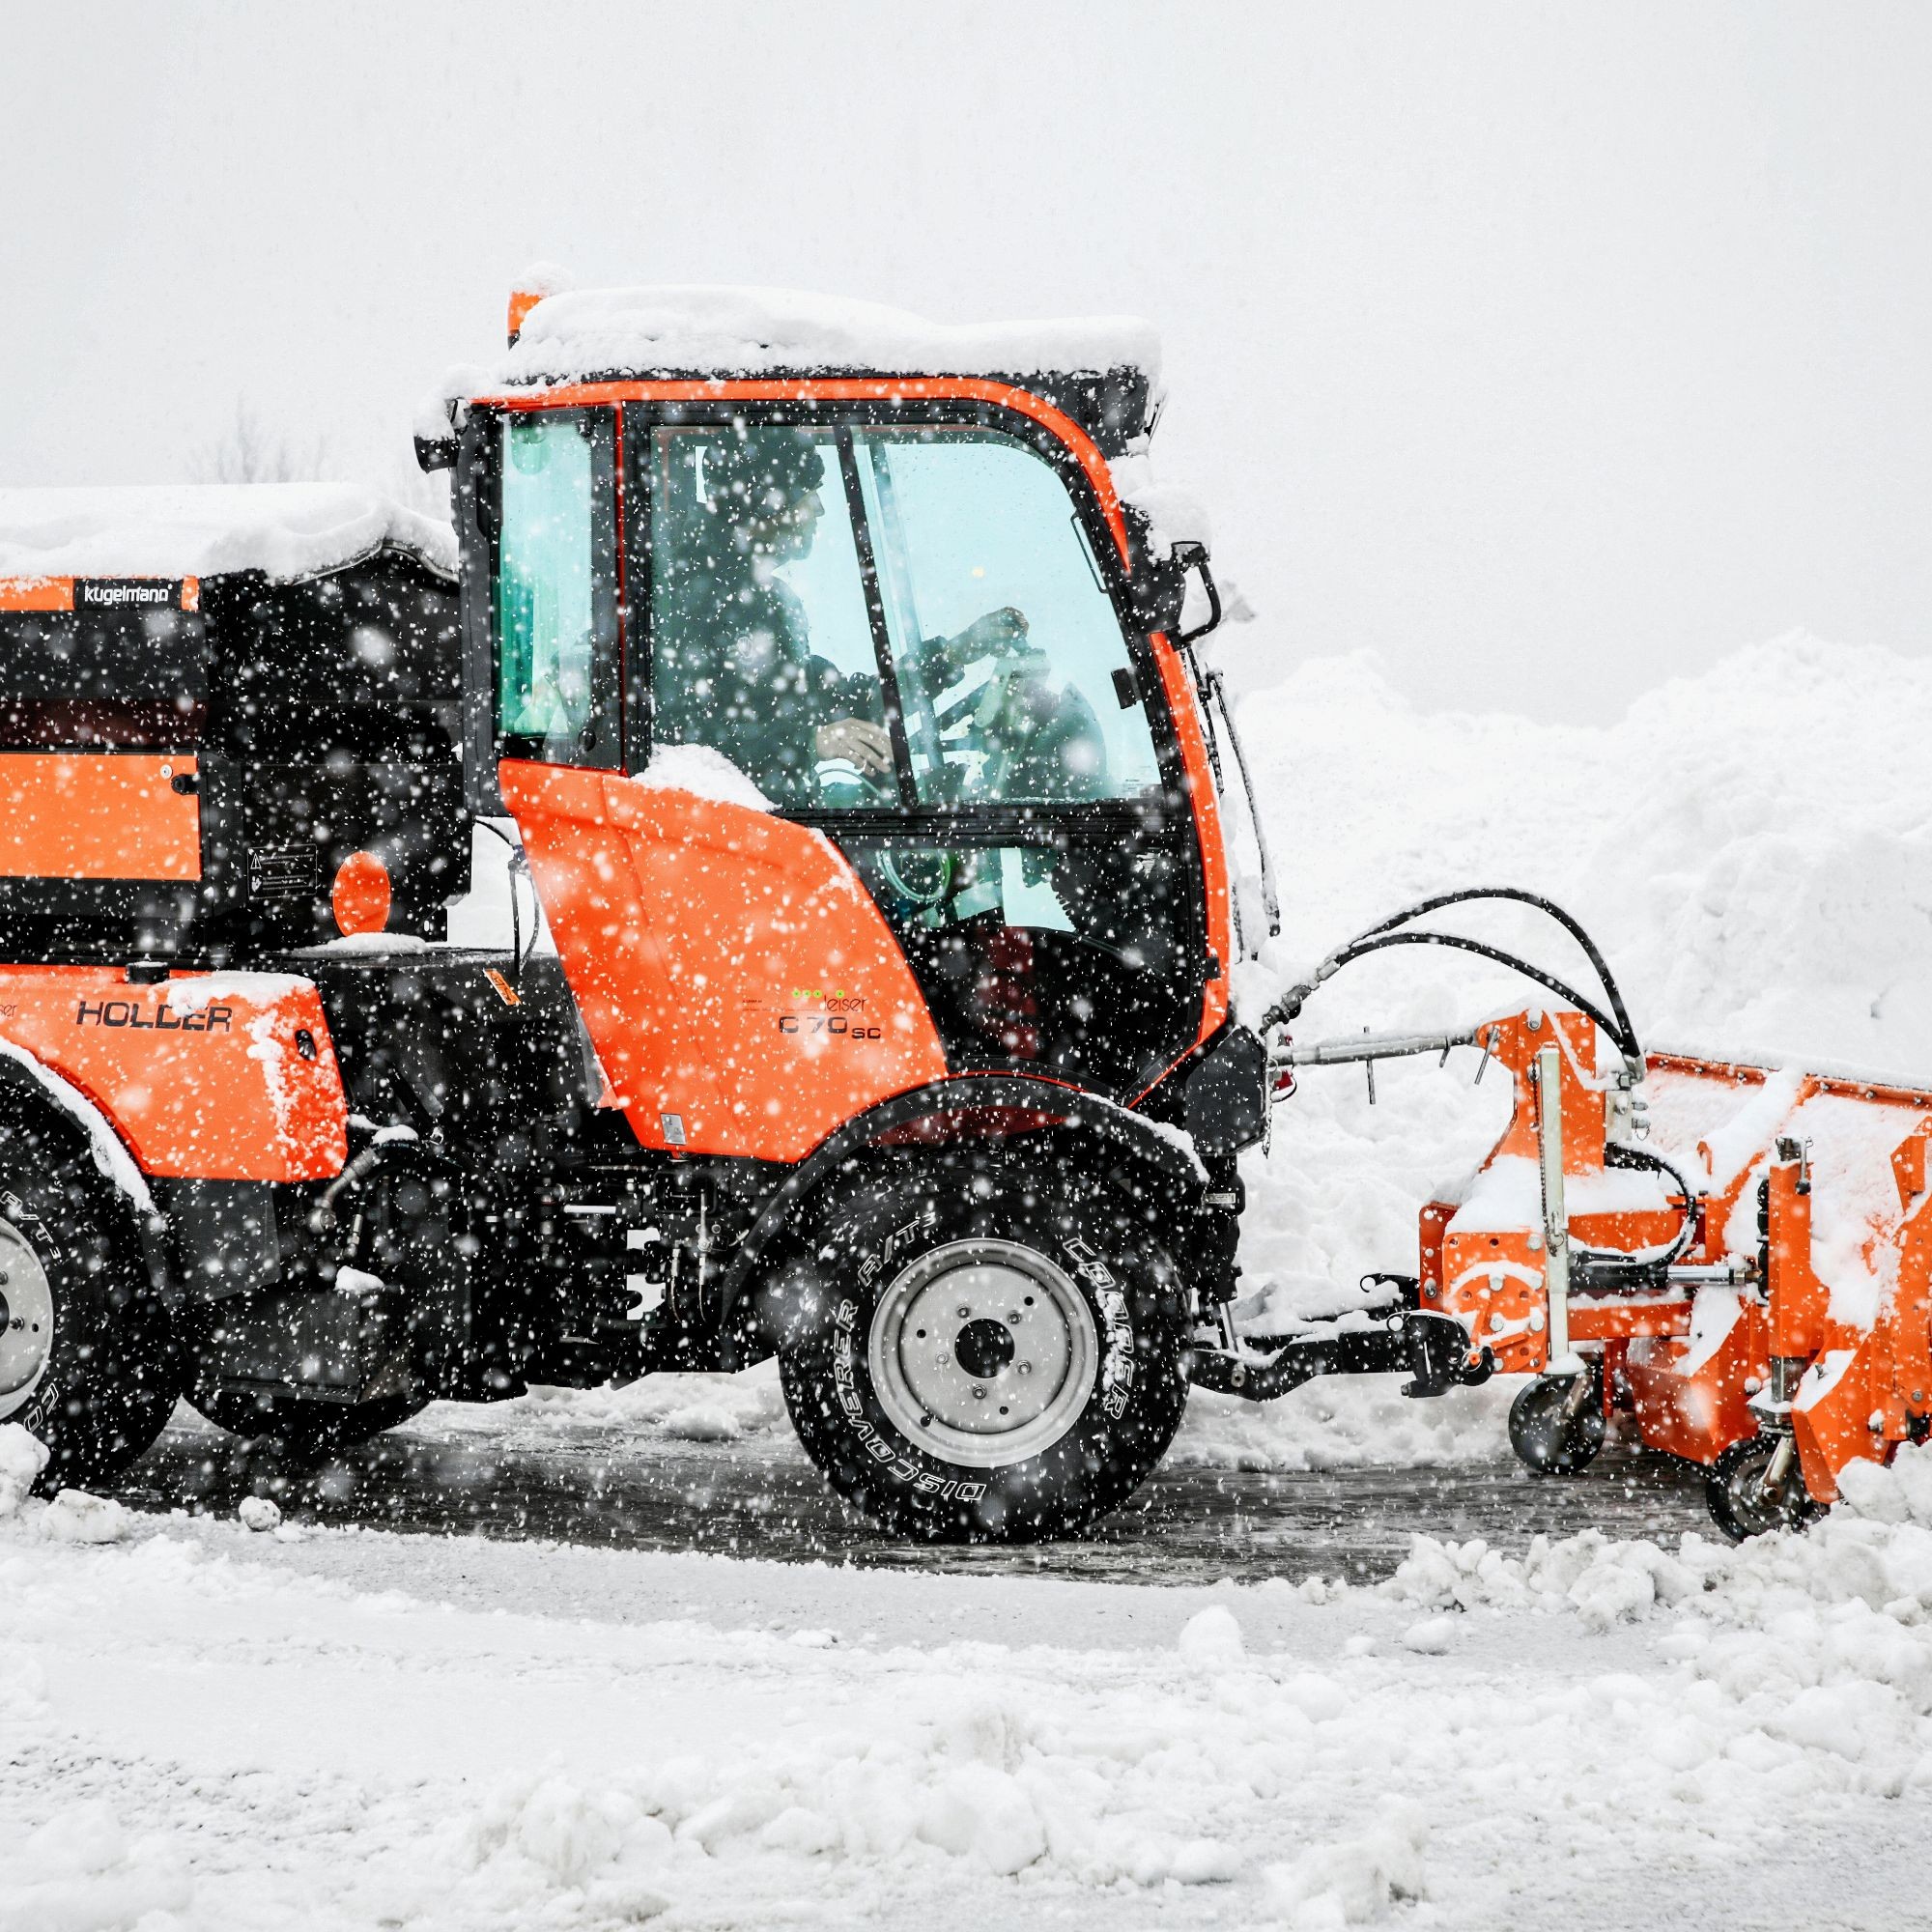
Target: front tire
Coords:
[(87, 1355), (985, 1347)]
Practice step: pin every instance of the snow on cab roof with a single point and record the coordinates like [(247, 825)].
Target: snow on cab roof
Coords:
[(287, 530), (694, 329)]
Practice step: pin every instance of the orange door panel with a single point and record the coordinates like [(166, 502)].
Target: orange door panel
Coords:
[(742, 990), (223, 1076), (98, 815)]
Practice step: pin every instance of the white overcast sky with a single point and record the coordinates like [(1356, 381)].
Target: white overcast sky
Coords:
[(1545, 350)]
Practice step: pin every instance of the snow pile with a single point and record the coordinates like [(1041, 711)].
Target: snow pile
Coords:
[(704, 1407), (976, 1780), (1603, 1582), (703, 772), (756, 332), (543, 1834), (1748, 846), (1354, 1880), (1873, 1552), (22, 1457), (1343, 1422), (288, 530), (77, 1516), (73, 1516), (79, 1872), (517, 1736)]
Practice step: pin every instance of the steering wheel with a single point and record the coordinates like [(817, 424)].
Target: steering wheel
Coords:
[(843, 786)]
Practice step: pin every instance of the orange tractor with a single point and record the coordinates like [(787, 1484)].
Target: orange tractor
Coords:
[(838, 674)]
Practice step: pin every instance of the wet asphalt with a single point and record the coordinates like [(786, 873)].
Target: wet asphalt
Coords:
[(764, 1499)]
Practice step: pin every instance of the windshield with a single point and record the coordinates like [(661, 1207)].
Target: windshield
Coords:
[(863, 618), (1014, 676)]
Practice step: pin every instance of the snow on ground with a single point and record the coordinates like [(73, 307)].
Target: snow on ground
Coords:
[(207, 1728)]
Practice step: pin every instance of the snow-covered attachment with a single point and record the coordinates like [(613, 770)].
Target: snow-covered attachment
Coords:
[(1737, 1257), (1749, 1280)]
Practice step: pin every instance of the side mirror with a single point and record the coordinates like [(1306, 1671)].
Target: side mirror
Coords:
[(1197, 580), (434, 453)]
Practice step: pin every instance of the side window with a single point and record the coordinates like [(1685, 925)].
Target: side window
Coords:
[(1013, 670), (556, 591), (762, 641)]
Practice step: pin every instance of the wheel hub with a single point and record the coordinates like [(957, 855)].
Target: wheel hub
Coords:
[(984, 1348), (26, 1320), (983, 1351)]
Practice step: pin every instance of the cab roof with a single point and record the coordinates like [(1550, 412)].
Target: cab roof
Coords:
[(1104, 371), (286, 531)]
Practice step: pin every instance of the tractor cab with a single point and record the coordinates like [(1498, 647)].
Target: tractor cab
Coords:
[(834, 688)]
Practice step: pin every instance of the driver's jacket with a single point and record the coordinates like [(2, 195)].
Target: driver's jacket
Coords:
[(732, 669)]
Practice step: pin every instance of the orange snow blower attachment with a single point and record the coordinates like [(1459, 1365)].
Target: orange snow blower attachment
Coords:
[(1739, 1258)]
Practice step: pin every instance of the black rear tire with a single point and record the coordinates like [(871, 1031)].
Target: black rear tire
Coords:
[(307, 1431), (86, 1354), (983, 1347)]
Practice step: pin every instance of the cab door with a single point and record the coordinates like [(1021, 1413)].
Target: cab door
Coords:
[(742, 991), (896, 625)]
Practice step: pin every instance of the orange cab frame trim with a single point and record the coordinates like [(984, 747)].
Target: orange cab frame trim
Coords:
[(871, 389)]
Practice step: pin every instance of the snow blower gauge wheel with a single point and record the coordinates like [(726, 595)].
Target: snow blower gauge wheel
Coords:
[(1552, 1434), (995, 1356), (87, 1357), (1741, 1502)]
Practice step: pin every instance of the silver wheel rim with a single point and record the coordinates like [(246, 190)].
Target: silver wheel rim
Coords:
[(1755, 1510), (983, 1352), (26, 1320)]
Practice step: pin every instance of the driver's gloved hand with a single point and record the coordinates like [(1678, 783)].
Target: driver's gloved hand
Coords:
[(1001, 633)]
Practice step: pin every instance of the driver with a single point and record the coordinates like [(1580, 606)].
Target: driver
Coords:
[(734, 665)]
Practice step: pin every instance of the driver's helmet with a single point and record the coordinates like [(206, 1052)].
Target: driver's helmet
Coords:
[(756, 473)]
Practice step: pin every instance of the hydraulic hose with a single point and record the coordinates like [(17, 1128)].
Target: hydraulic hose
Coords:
[(1603, 1269), (518, 868), (1616, 1021)]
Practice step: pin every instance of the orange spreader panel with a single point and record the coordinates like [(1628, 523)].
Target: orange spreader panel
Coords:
[(98, 815), (742, 990), (212, 1078)]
